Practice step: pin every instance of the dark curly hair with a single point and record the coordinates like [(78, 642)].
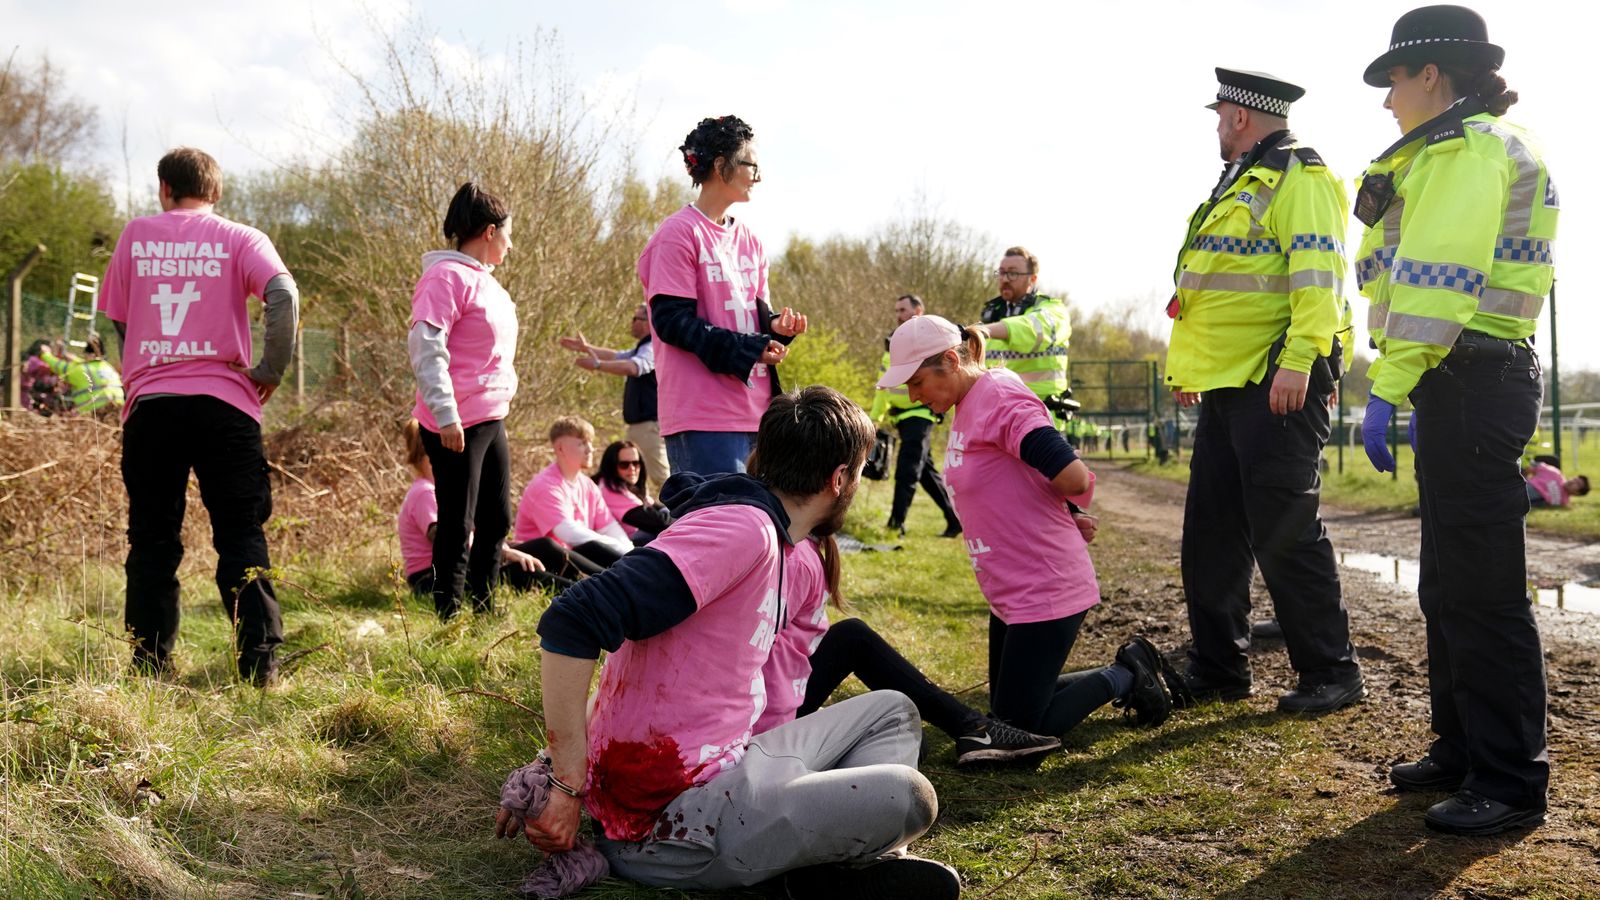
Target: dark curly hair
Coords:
[(713, 141)]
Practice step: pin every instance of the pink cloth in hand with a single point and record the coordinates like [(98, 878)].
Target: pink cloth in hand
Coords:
[(525, 794)]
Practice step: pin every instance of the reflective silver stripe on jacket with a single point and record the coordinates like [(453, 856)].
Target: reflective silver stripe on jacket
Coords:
[(1234, 282), (1309, 278), (1377, 316), (1422, 329), (1511, 303), (1524, 191)]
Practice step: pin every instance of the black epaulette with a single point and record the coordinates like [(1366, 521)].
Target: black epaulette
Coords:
[(1447, 131), (1309, 157), (1276, 158)]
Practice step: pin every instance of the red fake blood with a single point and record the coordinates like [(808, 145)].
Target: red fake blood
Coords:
[(631, 782)]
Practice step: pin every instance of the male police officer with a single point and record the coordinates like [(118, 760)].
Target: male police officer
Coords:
[(914, 421), (1028, 332), (1256, 313)]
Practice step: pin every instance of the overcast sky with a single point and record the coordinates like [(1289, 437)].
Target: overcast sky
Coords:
[(1075, 129)]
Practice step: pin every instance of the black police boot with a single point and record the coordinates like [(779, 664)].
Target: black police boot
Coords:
[(1425, 775), (1322, 698), (1471, 813), (1200, 689)]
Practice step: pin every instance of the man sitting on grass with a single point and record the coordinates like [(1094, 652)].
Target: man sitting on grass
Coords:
[(683, 793), (1547, 486)]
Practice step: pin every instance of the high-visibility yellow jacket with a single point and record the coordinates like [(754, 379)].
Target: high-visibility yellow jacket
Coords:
[(1465, 243), (896, 402), (91, 383), (1264, 261), (1035, 346)]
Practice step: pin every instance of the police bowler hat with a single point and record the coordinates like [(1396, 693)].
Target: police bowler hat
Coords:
[(1447, 35)]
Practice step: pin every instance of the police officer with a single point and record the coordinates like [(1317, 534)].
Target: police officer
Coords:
[(914, 421), (93, 384), (1456, 260), (1257, 308), (1028, 331)]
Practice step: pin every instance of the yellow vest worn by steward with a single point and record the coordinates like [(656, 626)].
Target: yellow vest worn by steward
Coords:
[(91, 383), (1035, 346), (1264, 261), (896, 402), (1463, 241)]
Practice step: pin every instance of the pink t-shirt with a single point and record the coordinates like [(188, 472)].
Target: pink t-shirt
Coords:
[(725, 269), (550, 500), (618, 503), (678, 709), (1549, 482), (180, 280), (418, 511), (1030, 559), (789, 667), (460, 295)]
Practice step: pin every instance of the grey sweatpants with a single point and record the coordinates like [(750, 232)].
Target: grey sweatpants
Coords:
[(839, 785)]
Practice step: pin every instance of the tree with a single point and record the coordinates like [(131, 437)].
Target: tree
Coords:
[(39, 121)]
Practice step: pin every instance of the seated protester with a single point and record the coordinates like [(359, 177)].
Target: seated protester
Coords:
[(683, 793), (810, 660), (623, 480), (40, 385), (562, 520), (418, 521), (1548, 487)]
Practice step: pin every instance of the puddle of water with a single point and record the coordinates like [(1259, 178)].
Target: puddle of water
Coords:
[(1405, 572)]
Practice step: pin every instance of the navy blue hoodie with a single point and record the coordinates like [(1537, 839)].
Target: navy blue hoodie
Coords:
[(644, 594)]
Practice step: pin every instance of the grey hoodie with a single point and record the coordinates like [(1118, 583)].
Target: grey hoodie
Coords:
[(430, 358)]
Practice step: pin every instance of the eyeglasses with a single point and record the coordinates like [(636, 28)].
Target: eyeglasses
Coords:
[(755, 168), (1008, 275), (640, 319), (629, 464)]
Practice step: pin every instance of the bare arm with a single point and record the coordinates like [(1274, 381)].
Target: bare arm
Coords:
[(565, 684)]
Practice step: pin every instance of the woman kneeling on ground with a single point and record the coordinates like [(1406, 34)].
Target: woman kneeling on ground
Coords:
[(624, 480), (1010, 474), (418, 526)]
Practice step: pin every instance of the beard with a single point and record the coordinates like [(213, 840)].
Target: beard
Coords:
[(834, 520)]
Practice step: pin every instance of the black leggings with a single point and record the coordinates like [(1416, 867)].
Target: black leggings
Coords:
[(517, 577), (1026, 687), (580, 561), (852, 647), (474, 490)]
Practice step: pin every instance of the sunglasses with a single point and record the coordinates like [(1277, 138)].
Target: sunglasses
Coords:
[(629, 464)]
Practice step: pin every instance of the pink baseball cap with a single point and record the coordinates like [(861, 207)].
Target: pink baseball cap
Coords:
[(913, 342)]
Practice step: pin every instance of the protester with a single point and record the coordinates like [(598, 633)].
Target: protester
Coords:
[(462, 346), (562, 518), (623, 478), (40, 386), (683, 792), (417, 524), (1547, 486), (93, 384), (705, 280), (638, 366), (1460, 217), (1013, 478), (914, 422), (177, 289)]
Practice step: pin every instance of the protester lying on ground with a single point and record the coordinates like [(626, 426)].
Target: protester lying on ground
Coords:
[(462, 346), (562, 518), (40, 386), (705, 278), (1547, 486), (1012, 475), (623, 478), (93, 384), (418, 526), (683, 792), (810, 659)]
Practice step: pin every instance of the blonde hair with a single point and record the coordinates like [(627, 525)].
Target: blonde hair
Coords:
[(571, 426), (416, 454), (969, 353)]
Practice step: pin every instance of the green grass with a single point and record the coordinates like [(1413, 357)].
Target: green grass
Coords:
[(371, 772)]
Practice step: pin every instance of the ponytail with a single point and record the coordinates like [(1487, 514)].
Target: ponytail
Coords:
[(828, 549), (472, 210), (1487, 86), (969, 352)]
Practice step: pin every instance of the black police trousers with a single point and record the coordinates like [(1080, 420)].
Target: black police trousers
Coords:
[(913, 466), (1475, 413), (1253, 498), (162, 440)]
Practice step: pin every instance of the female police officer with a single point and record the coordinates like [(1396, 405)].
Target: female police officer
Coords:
[(1456, 260)]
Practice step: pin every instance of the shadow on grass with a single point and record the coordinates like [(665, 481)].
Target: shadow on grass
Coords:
[(1387, 854)]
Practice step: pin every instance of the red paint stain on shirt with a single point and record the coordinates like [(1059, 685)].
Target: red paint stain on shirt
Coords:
[(631, 782)]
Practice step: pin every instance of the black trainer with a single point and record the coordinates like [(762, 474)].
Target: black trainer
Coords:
[(1322, 698), (1002, 742), (951, 530), (1471, 813), (1149, 700), (1425, 775), (905, 876)]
